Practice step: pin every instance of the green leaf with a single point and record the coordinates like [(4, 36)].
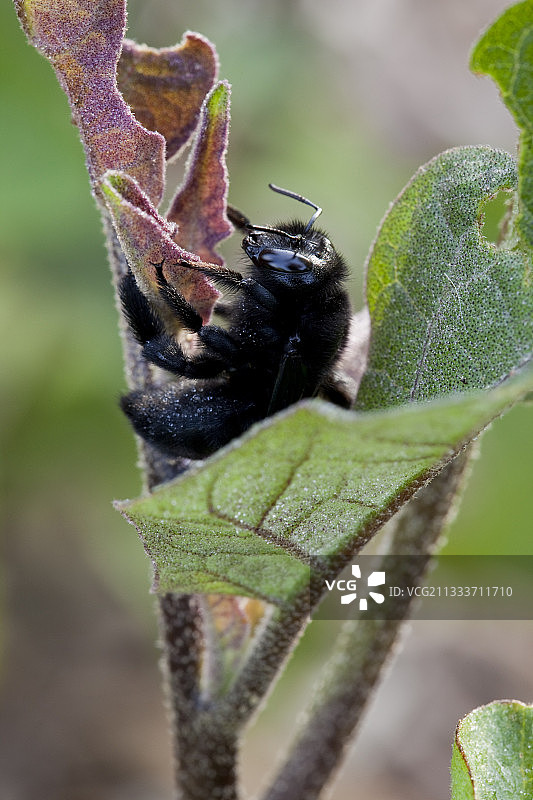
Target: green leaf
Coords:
[(505, 52), (492, 755), (449, 310), (313, 482)]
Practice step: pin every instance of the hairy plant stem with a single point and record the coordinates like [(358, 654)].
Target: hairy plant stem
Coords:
[(364, 647), (204, 753)]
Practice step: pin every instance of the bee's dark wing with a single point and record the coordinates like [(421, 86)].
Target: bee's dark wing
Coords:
[(291, 380)]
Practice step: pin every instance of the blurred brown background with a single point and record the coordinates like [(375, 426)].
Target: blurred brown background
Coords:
[(341, 102)]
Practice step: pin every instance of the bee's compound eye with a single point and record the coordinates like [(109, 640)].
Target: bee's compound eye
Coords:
[(282, 260)]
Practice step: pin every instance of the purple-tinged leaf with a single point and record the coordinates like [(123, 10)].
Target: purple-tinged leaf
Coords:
[(82, 40), (146, 239), (166, 88), (199, 208)]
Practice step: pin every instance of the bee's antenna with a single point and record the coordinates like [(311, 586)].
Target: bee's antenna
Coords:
[(300, 199)]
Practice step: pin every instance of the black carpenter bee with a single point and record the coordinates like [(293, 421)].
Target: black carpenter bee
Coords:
[(286, 326)]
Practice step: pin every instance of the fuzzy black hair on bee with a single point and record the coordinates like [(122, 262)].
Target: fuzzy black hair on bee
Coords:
[(286, 324)]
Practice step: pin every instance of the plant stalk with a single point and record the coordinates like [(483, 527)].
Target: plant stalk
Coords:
[(364, 648), (205, 753)]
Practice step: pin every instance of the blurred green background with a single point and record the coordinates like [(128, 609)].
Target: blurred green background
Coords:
[(341, 102)]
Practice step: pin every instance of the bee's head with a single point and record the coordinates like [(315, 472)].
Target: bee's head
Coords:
[(293, 254)]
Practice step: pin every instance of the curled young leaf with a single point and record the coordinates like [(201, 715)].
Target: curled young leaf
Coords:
[(199, 208), (166, 87), (146, 239), (82, 40)]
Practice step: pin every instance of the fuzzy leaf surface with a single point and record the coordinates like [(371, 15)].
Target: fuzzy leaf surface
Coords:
[(199, 207), (492, 755), (505, 52), (166, 87), (313, 482), (449, 310), (82, 41), (147, 239)]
